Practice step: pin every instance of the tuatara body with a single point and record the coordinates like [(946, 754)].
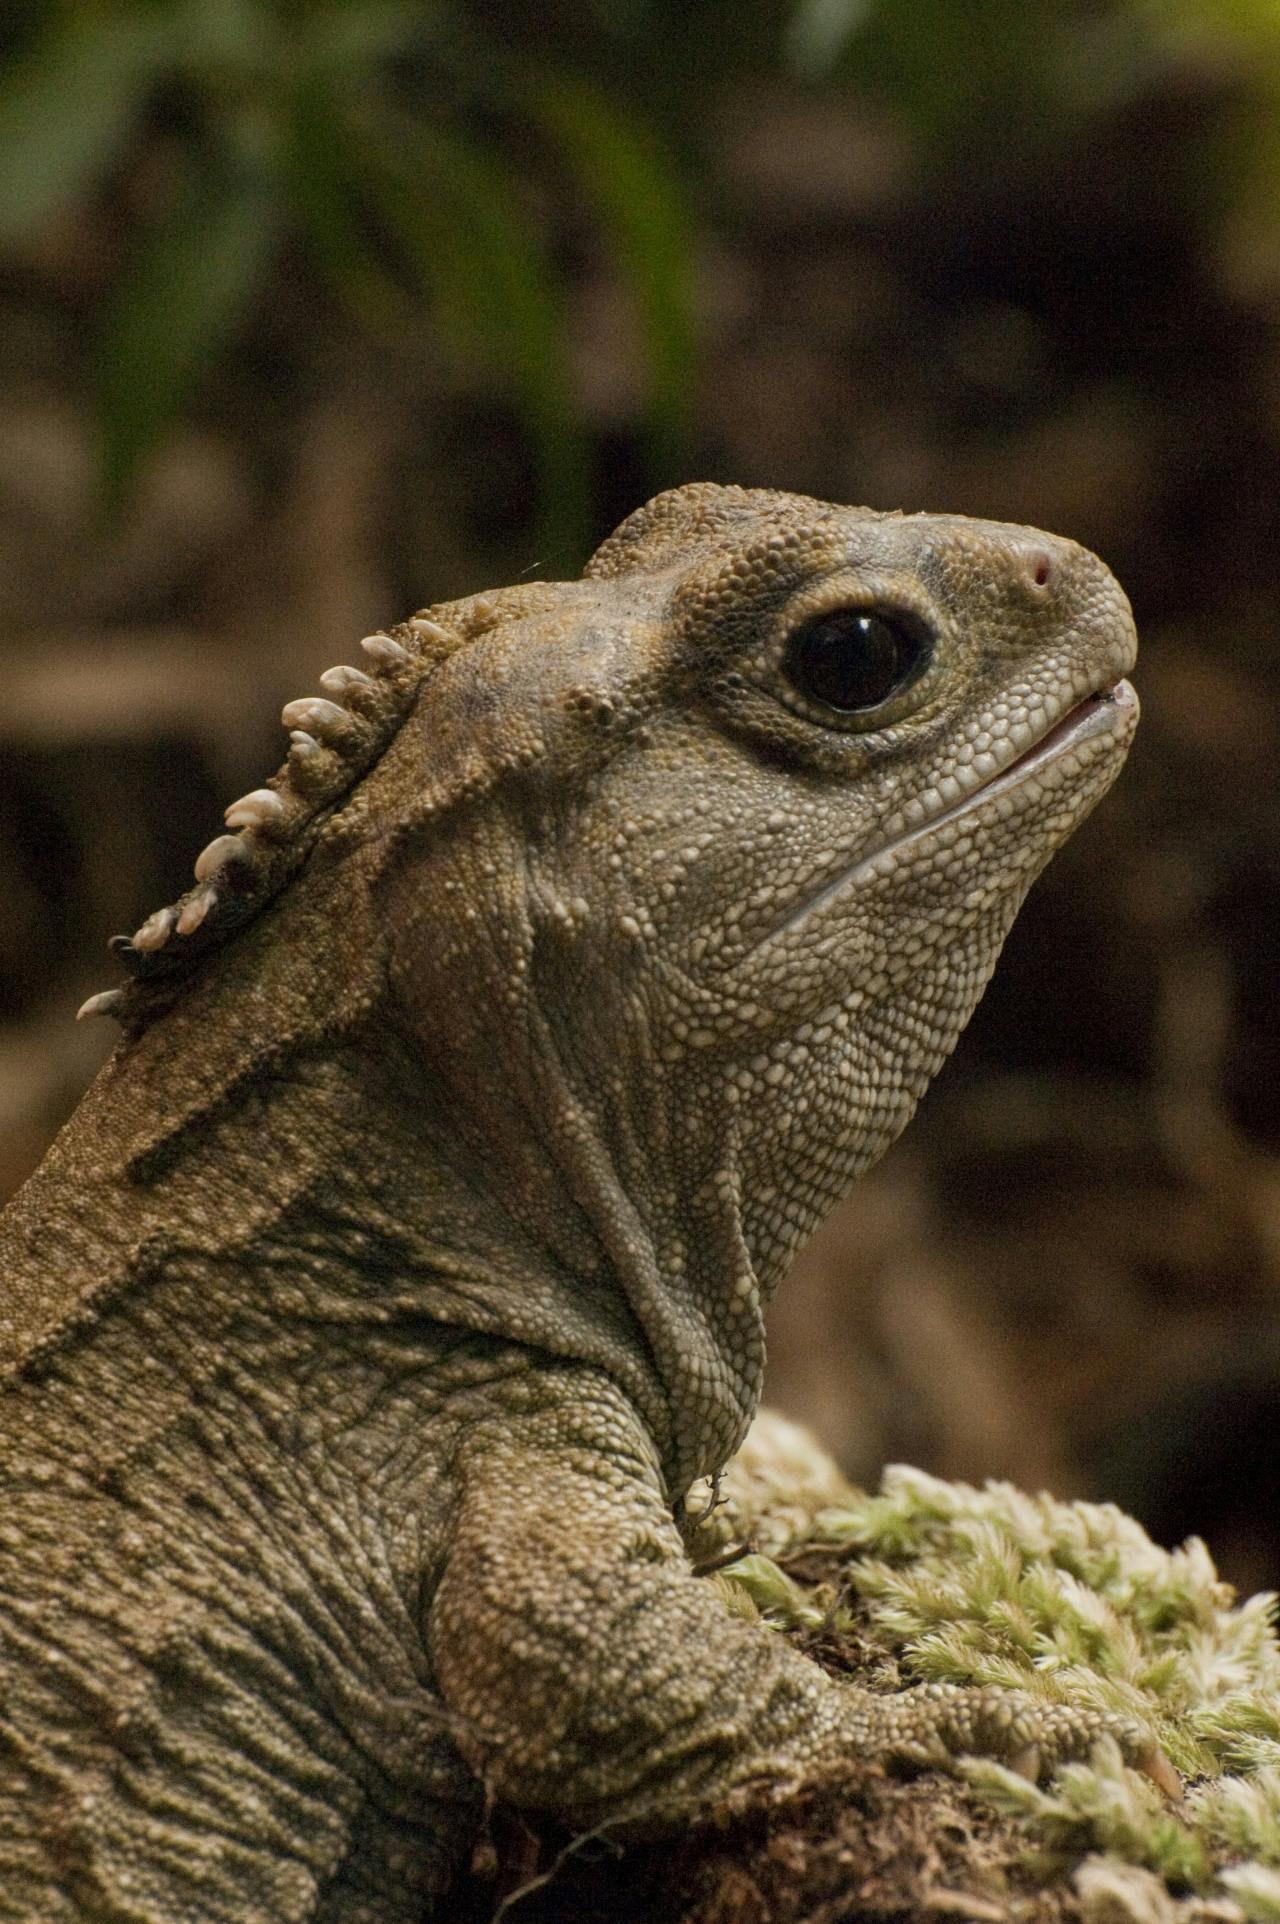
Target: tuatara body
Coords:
[(407, 1261)]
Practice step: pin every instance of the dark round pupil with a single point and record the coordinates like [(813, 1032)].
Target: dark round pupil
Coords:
[(850, 661)]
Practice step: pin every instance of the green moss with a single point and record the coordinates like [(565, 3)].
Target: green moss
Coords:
[(936, 1581)]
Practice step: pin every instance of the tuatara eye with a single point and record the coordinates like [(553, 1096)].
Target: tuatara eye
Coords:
[(853, 659)]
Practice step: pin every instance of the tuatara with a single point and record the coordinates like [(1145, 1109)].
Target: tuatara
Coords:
[(407, 1261)]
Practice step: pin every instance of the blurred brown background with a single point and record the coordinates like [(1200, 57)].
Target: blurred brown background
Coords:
[(315, 313)]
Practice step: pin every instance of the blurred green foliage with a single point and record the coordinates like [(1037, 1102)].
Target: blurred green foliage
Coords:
[(402, 152), (1015, 76), (433, 163)]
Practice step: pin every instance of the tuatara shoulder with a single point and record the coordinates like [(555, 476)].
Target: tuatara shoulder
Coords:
[(407, 1261)]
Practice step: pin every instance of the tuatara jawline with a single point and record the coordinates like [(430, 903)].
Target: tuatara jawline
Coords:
[(1110, 713)]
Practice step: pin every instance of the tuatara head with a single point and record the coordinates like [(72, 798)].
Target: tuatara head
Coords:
[(677, 884), (775, 778)]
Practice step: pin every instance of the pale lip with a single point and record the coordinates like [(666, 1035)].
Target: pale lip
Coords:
[(1108, 711)]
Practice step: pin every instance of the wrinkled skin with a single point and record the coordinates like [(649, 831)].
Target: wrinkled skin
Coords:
[(390, 1287)]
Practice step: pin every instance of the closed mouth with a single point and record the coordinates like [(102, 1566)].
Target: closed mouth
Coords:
[(1101, 713), (1106, 711)]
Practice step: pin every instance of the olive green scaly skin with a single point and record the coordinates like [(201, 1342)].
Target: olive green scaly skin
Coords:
[(408, 1259)]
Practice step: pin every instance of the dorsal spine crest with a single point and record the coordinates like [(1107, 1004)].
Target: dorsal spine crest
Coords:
[(334, 739)]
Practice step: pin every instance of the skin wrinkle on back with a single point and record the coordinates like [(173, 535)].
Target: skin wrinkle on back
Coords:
[(407, 1262)]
